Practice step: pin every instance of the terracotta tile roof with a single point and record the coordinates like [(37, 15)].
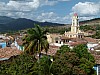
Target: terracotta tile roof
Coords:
[(19, 41), (76, 43), (77, 39), (64, 38), (97, 59), (6, 40), (89, 39), (8, 52), (52, 50), (96, 56)]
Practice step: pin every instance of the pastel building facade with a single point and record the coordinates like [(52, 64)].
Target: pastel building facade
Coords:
[(2, 44), (18, 43)]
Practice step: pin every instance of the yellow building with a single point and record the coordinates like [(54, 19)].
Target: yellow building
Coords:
[(53, 38), (75, 32)]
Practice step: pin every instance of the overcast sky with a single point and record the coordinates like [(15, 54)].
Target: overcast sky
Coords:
[(58, 11)]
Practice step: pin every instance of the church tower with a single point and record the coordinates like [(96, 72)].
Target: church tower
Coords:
[(75, 32), (75, 24)]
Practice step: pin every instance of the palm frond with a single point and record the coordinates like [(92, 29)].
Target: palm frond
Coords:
[(36, 40)]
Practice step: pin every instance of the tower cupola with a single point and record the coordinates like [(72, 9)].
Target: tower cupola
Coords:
[(75, 23)]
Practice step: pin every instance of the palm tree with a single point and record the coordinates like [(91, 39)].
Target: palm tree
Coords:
[(36, 41)]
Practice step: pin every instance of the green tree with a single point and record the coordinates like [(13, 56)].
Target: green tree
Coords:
[(87, 61), (64, 49), (35, 40), (77, 61), (87, 27), (42, 67), (97, 34), (66, 64), (18, 65)]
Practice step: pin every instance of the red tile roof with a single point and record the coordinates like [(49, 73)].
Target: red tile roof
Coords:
[(52, 50), (8, 52), (96, 56), (97, 59), (77, 43), (64, 38), (19, 41), (89, 39), (77, 39)]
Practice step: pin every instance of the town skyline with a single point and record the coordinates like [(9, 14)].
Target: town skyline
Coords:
[(56, 11)]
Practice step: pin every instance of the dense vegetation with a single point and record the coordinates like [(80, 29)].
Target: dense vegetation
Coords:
[(57, 29), (92, 28), (18, 65), (76, 61), (87, 27), (97, 35)]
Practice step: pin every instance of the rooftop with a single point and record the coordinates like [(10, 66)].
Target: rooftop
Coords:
[(77, 43), (52, 50), (19, 41), (90, 40), (8, 52)]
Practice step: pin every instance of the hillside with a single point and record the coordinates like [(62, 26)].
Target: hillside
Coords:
[(5, 19), (95, 21), (10, 24)]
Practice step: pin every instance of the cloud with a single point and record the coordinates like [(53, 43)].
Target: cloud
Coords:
[(53, 17), (47, 16), (48, 2), (23, 6), (63, 0), (87, 8), (86, 18)]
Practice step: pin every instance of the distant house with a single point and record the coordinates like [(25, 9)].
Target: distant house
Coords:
[(4, 41), (18, 44), (2, 44)]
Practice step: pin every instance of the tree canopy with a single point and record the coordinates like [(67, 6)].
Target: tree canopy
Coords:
[(77, 61), (17, 65), (35, 40)]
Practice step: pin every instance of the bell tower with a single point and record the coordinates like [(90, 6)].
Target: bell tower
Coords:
[(75, 24)]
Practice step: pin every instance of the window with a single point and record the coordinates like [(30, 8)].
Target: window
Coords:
[(70, 35), (56, 41)]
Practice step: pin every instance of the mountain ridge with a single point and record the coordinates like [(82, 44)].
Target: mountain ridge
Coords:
[(91, 22), (11, 24)]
